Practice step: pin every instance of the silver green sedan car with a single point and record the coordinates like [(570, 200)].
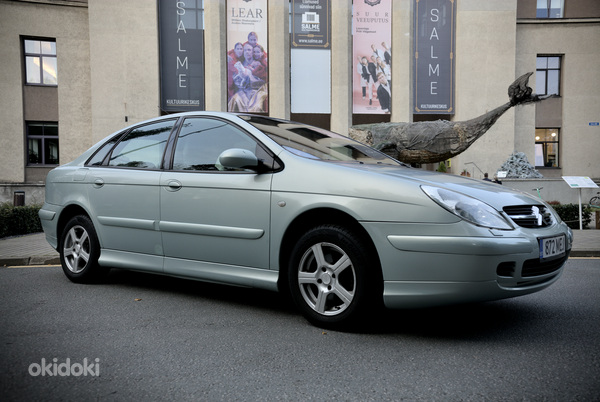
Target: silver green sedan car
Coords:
[(260, 202)]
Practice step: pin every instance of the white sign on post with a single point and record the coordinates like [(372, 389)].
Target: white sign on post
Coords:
[(580, 182)]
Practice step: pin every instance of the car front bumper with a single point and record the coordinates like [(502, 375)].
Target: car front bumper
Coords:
[(433, 267)]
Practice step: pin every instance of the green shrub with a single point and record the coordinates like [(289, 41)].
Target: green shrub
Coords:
[(19, 220), (569, 213)]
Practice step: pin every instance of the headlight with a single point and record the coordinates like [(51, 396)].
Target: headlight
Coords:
[(467, 208)]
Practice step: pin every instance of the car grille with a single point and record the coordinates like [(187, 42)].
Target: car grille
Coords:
[(530, 216), (535, 267)]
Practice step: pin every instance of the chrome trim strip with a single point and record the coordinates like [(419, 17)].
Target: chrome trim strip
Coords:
[(145, 224), (211, 230)]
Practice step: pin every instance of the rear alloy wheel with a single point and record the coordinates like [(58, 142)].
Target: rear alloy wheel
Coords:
[(79, 251), (329, 276)]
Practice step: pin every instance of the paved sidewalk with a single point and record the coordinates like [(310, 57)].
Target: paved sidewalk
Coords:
[(33, 249), (30, 249)]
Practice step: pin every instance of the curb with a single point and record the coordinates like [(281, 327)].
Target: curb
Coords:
[(584, 253), (21, 261)]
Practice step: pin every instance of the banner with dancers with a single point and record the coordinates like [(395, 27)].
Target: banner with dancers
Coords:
[(372, 57)]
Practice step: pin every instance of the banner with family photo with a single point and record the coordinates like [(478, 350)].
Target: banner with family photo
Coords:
[(247, 67), (372, 57)]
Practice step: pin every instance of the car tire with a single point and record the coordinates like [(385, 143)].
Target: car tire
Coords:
[(79, 250), (333, 277)]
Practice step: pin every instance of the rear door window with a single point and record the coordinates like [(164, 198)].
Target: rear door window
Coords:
[(143, 147)]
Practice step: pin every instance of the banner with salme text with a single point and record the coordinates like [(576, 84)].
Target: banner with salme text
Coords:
[(372, 57), (247, 66), (434, 60), (181, 54)]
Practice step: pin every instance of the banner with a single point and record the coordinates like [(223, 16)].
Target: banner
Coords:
[(247, 66), (372, 57), (181, 54), (310, 73), (435, 22), (311, 21)]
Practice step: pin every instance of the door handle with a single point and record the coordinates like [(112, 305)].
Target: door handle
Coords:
[(174, 185), (98, 183)]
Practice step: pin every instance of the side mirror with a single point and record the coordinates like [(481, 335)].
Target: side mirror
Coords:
[(237, 158)]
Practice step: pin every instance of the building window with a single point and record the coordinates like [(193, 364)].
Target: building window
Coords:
[(40, 62), (191, 14), (547, 75), (550, 8), (42, 143), (546, 147)]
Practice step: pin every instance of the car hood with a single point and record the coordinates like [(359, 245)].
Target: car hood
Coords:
[(495, 195)]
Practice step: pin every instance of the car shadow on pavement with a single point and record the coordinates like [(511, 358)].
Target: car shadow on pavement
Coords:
[(477, 321), (234, 295)]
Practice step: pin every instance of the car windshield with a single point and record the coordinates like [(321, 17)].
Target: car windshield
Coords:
[(316, 143)]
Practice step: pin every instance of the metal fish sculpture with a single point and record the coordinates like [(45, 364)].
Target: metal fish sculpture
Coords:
[(436, 141)]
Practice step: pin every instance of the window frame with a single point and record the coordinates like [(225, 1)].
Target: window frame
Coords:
[(547, 74), (197, 10), (546, 144), (261, 151), (43, 138), (106, 149), (547, 11), (42, 56), (126, 137)]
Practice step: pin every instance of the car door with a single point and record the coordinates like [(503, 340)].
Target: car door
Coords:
[(209, 214), (124, 192)]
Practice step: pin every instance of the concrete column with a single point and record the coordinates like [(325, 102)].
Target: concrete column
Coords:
[(341, 66), (279, 58), (215, 49), (402, 26)]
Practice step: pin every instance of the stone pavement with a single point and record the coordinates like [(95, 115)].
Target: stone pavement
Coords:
[(33, 249)]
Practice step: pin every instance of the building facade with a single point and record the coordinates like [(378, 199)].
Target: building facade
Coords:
[(74, 71)]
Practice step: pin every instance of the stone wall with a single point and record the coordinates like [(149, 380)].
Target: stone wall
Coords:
[(34, 193), (552, 189)]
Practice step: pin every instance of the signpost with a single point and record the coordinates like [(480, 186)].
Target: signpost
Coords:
[(580, 182)]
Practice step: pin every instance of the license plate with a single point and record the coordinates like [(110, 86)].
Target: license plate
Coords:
[(552, 247)]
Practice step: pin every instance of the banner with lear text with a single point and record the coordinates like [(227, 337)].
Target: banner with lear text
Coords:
[(247, 66), (434, 36), (372, 57), (181, 54)]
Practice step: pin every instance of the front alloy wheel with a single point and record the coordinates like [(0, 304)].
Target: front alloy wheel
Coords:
[(327, 279), (334, 278)]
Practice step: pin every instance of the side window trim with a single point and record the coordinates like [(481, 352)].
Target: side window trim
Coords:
[(116, 138), (274, 162), (122, 135)]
